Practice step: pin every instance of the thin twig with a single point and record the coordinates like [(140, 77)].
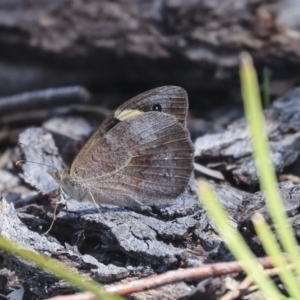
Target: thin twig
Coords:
[(47, 98), (205, 271), (243, 287)]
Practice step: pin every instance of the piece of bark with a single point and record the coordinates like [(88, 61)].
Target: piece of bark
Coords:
[(184, 42), (41, 156), (210, 289), (45, 99), (12, 228), (70, 134), (231, 152), (290, 193), (167, 292), (79, 296), (127, 243)]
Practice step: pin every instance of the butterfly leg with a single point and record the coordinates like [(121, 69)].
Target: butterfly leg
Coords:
[(59, 201), (97, 207)]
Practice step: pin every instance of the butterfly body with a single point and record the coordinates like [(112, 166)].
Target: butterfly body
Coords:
[(140, 155)]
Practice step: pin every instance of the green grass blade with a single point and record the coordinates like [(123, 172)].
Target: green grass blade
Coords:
[(266, 86), (266, 174), (58, 269), (271, 247), (235, 242)]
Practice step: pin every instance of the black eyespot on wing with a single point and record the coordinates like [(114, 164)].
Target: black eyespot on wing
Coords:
[(164, 176), (157, 107)]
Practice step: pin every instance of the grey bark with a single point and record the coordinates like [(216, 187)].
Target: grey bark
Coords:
[(102, 43)]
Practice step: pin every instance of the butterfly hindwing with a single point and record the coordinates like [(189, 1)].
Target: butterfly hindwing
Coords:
[(146, 160)]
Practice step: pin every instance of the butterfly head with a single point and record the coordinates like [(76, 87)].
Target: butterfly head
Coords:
[(59, 176), (69, 184)]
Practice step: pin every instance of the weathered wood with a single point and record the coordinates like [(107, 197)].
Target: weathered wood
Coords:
[(126, 243), (230, 151), (192, 43), (44, 99)]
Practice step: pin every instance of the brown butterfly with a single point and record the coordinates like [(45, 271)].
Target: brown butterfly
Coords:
[(140, 155)]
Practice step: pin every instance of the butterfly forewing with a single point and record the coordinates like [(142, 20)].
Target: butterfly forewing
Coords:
[(172, 100), (143, 160)]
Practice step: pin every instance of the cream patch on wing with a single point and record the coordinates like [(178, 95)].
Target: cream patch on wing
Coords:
[(126, 114)]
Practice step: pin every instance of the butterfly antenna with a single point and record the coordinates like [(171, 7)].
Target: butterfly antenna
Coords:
[(21, 161), (36, 152)]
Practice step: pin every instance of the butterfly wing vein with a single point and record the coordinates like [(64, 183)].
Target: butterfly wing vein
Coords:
[(149, 164)]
